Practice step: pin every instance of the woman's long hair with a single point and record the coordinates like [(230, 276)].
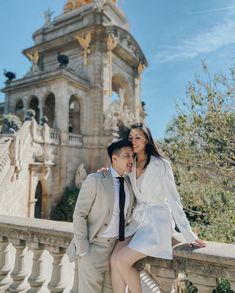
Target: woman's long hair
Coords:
[(150, 149)]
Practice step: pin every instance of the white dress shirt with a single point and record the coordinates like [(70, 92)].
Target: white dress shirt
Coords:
[(112, 229)]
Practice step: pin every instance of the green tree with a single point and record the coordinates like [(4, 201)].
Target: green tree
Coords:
[(200, 142), (63, 211)]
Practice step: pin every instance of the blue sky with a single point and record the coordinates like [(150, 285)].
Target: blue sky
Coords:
[(176, 36)]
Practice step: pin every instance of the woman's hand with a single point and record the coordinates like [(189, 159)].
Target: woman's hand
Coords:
[(103, 170), (197, 243)]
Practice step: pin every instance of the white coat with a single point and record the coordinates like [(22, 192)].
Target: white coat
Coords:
[(158, 207)]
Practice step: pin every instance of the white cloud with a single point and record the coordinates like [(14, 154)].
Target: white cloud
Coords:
[(219, 36)]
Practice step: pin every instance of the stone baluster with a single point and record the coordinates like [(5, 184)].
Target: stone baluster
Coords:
[(164, 274), (56, 283), (204, 283), (232, 283), (36, 279), (5, 266), (75, 280), (19, 272)]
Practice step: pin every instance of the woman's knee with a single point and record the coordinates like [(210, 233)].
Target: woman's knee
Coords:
[(121, 261)]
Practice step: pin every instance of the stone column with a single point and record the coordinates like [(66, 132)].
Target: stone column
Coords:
[(203, 283), (137, 106), (19, 272), (36, 279), (56, 283), (5, 267), (62, 107), (32, 201), (164, 273), (40, 106)]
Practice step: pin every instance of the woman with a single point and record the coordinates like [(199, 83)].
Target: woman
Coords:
[(150, 231)]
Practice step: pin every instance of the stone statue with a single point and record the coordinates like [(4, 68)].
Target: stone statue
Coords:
[(121, 93), (127, 116), (81, 175), (47, 16), (99, 4)]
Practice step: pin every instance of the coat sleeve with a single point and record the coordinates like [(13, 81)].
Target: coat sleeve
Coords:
[(83, 206), (175, 205)]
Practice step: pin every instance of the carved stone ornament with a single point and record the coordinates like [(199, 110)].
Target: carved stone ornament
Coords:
[(33, 57), (85, 41)]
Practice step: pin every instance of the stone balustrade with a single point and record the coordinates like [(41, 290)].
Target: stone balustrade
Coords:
[(54, 136), (203, 266), (75, 139), (36, 235)]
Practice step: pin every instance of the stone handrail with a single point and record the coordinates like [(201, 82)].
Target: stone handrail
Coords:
[(75, 139), (203, 266)]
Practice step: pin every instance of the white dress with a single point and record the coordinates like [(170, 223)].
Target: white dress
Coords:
[(158, 202)]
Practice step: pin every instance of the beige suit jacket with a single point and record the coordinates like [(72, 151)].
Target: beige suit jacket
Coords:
[(93, 210)]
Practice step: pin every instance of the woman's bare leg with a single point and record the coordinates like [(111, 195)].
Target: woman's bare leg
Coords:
[(118, 283), (125, 258)]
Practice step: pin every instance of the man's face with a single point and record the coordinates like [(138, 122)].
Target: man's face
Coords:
[(123, 161)]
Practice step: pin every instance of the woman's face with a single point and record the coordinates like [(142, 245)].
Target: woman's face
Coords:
[(138, 139)]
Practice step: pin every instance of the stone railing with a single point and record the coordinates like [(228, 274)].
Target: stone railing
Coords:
[(203, 266), (75, 139), (54, 136), (40, 237)]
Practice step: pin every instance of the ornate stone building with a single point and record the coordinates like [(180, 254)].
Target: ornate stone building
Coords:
[(85, 77)]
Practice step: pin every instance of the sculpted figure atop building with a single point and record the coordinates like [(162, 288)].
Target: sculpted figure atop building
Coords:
[(73, 4)]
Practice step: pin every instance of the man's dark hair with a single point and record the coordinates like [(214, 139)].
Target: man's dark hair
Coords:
[(116, 146)]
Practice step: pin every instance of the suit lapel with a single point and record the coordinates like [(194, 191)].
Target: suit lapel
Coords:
[(109, 191)]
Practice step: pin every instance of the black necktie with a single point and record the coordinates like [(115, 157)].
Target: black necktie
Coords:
[(121, 207)]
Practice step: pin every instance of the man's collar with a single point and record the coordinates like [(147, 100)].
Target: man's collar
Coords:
[(114, 173)]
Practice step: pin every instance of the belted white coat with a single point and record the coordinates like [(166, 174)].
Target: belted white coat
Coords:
[(158, 209)]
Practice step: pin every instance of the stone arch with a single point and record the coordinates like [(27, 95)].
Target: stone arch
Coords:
[(34, 104), (19, 109), (74, 115), (41, 200), (49, 109), (119, 83)]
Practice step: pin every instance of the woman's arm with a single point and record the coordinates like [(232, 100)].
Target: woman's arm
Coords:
[(175, 205)]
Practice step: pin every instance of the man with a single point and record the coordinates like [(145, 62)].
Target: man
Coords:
[(103, 208)]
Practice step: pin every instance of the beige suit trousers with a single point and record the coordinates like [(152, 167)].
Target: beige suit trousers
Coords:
[(94, 267)]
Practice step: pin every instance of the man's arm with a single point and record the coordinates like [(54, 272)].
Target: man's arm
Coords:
[(83, 206)]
